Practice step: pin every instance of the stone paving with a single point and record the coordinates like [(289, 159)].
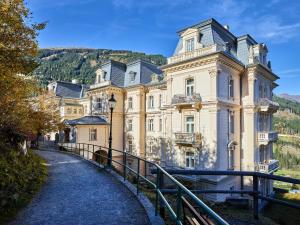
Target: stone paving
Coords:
[(76, 192)]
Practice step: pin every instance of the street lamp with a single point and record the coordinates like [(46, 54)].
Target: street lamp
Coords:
[(111, 103)]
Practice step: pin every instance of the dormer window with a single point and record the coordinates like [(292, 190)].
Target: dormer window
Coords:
[(132, 76), (104, 75), (189, 45)]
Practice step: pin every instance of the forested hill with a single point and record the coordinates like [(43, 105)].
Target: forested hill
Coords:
[(287, 119), (80, 63)]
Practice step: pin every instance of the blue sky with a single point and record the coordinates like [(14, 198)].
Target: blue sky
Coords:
[(150, 26)]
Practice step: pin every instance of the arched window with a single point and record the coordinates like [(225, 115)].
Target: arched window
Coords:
[(230, 156)]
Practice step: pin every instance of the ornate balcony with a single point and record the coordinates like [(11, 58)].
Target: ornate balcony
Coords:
[(183, 101), (193, 54), (266, 105), (268, 167), (193, 139), (264, 138)]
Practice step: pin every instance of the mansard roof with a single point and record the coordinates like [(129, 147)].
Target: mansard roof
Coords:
[(68, 89), (210, 22), (87, 120)]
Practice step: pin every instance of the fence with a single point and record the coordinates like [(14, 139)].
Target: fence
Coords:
[(181, 212), (255, 193)]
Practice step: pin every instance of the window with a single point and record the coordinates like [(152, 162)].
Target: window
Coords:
[(231, 88), (150, 147), (190, 160), (98, 103), (160, 124), (151, 102), (260, 90), (132, 76), (189, 124), (104, 75), (75, 111), (130, 145), (231, 149), (160, 100), (80, 111), (129, 125), (130, 103), (189, 87), (69, 110), (231, 122), (150, 125), (263, 121), (189, 45), (93, 134)]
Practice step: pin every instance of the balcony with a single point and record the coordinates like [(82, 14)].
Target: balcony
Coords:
[(266, 105), (264, 138), (192, 139), (183, 101), (102, 84), (195, 53), (268, 167)]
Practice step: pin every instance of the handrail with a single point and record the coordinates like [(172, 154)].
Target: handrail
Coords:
[(176, 215), (254, 192)]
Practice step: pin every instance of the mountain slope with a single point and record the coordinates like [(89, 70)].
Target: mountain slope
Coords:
[(294, 98), (79, 63)]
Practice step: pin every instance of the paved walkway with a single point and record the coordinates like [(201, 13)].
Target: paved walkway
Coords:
[(79, 193)]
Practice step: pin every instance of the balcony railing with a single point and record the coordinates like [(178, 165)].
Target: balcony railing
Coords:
[(266, 105), (195, 53), (181, 101), (268, 167), (187, 138), (265, 137), (105, 83)]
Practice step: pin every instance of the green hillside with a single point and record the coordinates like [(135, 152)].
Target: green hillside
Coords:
[(287, 149), (69, 63)]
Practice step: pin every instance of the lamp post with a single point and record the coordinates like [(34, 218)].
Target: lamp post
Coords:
[(111, 103)]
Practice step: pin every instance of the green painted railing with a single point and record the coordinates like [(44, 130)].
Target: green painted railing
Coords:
[(125, 163)]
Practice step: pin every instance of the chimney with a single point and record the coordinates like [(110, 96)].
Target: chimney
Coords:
[(74, 81), (226, 26)]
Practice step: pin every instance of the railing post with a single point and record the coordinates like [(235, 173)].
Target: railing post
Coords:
[(93, 152), (145, 165), (157, 188), (161, 203), (255, 197), (124, 165), (242, 185), (138, 177), (178, 204)]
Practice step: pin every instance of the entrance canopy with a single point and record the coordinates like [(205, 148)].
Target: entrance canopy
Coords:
[(87, 120)]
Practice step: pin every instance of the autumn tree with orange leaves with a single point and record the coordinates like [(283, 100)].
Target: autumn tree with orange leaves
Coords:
[(22, 113)]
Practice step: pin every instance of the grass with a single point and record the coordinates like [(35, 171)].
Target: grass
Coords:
[(287, 173), (284, 215), (21, 176)]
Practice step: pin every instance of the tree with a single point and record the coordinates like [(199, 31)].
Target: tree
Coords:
[(21, 112)]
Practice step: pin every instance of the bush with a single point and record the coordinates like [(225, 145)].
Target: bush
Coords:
[(21, 176)]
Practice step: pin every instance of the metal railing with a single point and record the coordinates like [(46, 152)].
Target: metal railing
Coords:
[(125, 163), (255, 193)]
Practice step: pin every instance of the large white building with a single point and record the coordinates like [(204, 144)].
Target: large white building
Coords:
[(210, 107)]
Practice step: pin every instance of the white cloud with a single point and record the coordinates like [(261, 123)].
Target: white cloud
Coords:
[(290, 73)]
